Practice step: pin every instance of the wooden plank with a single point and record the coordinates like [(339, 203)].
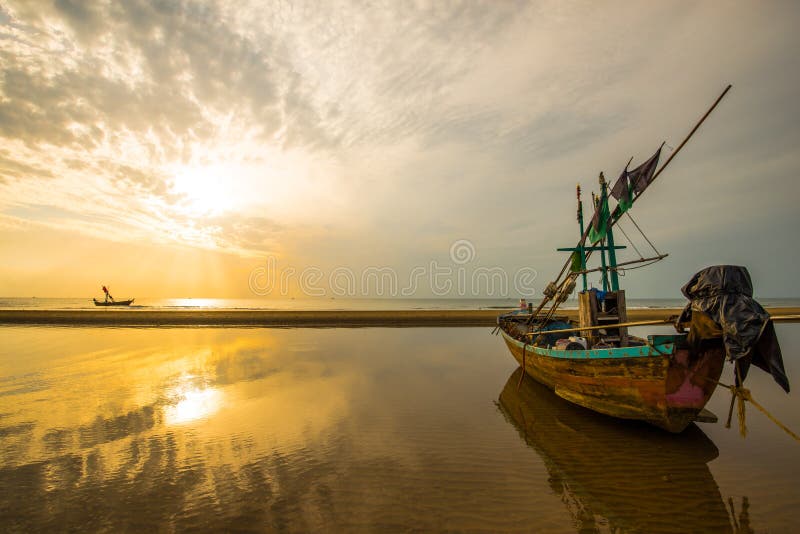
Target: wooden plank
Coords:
[(622, 313), (587, 314), (706, 416)]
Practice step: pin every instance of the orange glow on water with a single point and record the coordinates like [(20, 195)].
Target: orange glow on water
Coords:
[(194, 403)]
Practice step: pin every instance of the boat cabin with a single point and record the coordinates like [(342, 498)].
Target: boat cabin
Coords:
[(597, 308)]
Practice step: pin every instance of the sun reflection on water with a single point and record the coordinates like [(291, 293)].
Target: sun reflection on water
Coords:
[(193, 402), (194, 303)]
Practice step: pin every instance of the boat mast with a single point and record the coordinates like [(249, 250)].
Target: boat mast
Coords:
[(612, 255), (613, 219), (581, 250), (601, 248)]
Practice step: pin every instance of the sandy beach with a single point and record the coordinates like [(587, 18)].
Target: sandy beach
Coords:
[(308, 318)]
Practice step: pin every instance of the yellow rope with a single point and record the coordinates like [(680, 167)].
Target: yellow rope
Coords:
[(740, 411), (743, 394), (740, 399)]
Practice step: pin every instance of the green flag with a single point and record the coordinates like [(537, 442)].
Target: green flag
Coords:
[(623, 192), (599, 226), (577, 264)]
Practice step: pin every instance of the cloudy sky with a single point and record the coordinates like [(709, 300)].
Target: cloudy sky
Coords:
[(170, 148)]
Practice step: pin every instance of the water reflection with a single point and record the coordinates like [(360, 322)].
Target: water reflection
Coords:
[(192, 399), (179, 428), (336, 430), (626, 476)]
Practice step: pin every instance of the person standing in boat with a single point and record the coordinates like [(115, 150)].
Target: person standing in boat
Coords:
[(108, 295)]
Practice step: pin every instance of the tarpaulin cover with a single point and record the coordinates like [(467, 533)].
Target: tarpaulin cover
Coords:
[(725, 294), (550, 339)]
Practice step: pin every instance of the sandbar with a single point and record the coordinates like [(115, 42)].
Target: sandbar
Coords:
[(305, 318)]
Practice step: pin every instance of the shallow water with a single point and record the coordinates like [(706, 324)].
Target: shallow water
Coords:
[(357, 429)]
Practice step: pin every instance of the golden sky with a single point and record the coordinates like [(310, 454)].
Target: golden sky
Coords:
[(169, 148)]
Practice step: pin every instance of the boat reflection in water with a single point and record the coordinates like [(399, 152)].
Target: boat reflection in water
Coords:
[(619, 475)]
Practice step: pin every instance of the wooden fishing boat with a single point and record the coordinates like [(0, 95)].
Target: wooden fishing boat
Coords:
[(657, 379), (113, 302), (663, 379)]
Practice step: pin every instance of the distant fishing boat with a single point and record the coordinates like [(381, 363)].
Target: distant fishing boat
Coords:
[(109, 300), (663, 379), (113, 302)]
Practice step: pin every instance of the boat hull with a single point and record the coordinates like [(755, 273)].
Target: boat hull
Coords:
[(113, 302), (662, 383)]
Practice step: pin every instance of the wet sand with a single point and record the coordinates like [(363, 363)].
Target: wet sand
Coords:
[(308, 318)]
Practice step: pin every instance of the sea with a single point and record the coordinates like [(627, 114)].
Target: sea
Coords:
[(360, 430), (335, 303)]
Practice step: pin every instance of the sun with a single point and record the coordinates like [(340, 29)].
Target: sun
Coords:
[(205, 190)]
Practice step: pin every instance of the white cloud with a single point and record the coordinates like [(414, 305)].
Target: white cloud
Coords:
[(395, 124)]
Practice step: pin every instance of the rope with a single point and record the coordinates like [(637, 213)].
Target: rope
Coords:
[(643, 234), (623, 269), (522, 375), (740, 395), (748, 397), (556, 300), (621, 229)]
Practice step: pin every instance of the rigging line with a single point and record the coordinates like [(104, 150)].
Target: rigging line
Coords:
[(640, 266), (643, 234), (623, 269), (630, 241)]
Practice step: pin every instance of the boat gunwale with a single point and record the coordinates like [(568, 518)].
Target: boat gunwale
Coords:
[(653, 348)]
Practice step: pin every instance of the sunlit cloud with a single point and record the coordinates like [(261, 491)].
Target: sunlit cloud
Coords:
[(380, 132)]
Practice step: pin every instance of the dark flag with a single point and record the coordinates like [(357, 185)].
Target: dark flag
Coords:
[(641, 176), (636, 180), (622, 191)]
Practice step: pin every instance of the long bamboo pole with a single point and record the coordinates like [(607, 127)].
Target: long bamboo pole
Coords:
[(785, 318), (624, 263), (618, 325), (666, 320), (616, 215)]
